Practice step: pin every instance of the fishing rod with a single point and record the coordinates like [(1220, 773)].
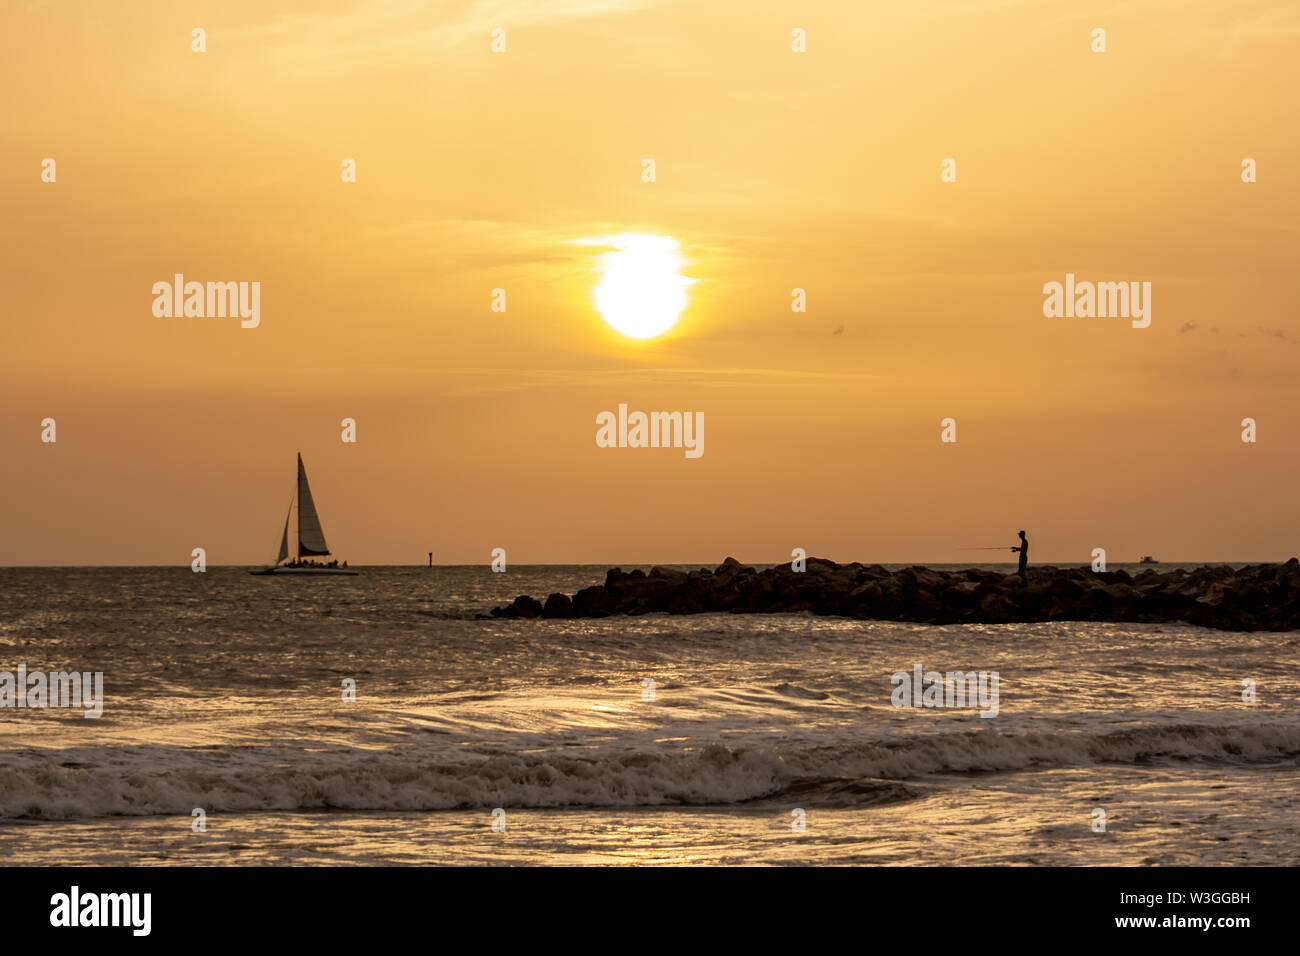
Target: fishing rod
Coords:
[(999, 547)]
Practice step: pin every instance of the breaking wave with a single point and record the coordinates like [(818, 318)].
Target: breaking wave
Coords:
[(72, 784)]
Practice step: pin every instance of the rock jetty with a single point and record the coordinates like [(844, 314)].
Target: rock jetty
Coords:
[(1259, 597)]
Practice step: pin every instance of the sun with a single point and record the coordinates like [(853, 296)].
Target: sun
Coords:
[(641, 292)]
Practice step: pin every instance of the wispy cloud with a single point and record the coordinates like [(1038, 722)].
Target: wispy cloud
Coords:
[(485, 381), (395, 31), (1270, 23)]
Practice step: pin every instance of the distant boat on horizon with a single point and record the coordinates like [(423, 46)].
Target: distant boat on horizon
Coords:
[(311, 539), (1147, 559)]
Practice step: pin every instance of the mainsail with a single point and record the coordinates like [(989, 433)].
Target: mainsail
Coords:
[(311, 539)]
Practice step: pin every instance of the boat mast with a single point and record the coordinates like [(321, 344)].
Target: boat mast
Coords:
[(297, 486)]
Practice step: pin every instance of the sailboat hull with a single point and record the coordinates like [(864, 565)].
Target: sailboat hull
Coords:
[(288, 571)]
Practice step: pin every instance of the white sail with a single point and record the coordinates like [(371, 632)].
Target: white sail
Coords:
[(311, 539), (284, 537)]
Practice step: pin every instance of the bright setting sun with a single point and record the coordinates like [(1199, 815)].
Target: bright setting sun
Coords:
[(641, 292)]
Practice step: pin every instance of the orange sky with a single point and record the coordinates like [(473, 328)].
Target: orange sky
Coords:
[(775, 170)]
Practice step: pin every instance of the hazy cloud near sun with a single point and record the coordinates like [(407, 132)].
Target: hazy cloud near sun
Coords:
[(472, 243)]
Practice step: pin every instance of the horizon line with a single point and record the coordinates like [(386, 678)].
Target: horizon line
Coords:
[(615, 564)]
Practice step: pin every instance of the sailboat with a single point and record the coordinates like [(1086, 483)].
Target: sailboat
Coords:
[(311, 539)]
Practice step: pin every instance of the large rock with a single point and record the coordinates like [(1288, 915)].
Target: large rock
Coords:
[(522, 606), (592, 602), (558, 605)]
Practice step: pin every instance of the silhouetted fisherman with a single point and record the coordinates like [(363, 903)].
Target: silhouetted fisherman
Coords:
[(1024, 558)]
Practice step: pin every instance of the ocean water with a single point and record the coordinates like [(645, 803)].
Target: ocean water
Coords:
[(770, 739)]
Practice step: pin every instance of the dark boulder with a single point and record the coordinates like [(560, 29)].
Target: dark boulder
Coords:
[(558, 605)]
